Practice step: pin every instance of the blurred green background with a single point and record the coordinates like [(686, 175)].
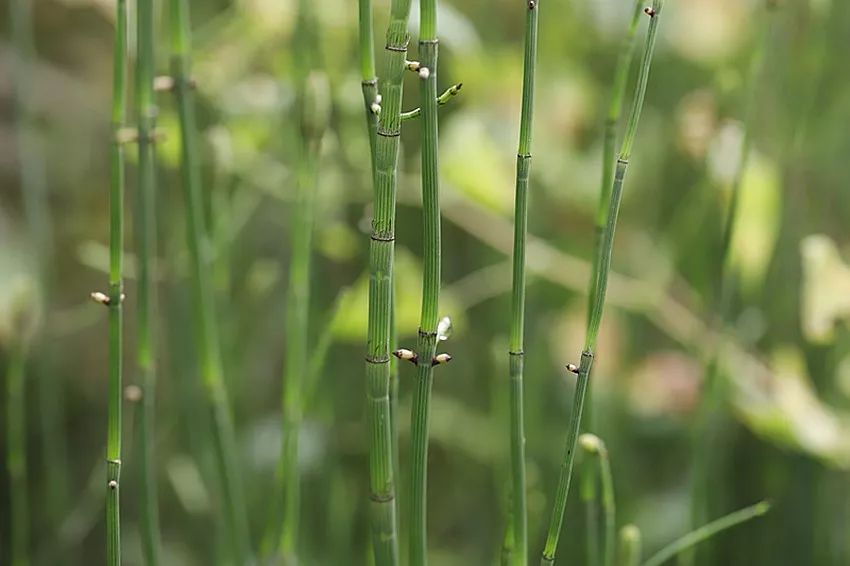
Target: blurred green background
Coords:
[(782, 431)]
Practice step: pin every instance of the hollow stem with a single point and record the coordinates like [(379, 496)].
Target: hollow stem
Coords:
[(595, 316), (519, 508), (147, 112), (706, 532), (382, 490), (203, 304), (116, 292)]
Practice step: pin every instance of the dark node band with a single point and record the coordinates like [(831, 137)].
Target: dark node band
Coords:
[(382, 238), (377, 359)]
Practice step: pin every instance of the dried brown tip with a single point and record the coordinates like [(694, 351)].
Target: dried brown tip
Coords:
[(649, 12), (572, 368), (441, 359)]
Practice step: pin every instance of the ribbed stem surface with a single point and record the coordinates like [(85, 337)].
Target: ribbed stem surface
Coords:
[(381, 250), (205, 322), (519, 508), (116, 288), (147, 112), (595, 317)]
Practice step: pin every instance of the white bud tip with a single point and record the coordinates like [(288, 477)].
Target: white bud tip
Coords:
[(442, 358), (133, 393), (590, 442), (113, 484), (99, 297), (378, 98), (404, 354), (572, 368), (424, 73), (376, 108)]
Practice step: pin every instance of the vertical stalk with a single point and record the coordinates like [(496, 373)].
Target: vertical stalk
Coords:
[(369, 82), (147, 112), (205, 322), (313, 109), (116, 286), (34, 191), (16, 457), (381, 251), (601, 286), (116, 292), (594, 446), (519, 510), (427, 343), (630, 546)]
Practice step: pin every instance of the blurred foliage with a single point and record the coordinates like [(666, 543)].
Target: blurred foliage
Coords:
[(785, 352)]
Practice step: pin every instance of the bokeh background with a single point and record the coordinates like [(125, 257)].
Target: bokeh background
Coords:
[(781, 430)]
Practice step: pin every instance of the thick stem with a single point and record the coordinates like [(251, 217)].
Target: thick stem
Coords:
[(519, 508), (427, 344), (147, 112), (595, 317), (205, 322), (381, 251), (116, 291)]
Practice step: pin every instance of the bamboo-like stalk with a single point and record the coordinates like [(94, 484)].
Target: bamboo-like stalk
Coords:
[(595, 318), (707, 531), (146, 229), (369, 81), (205, 322), (116, 291), (630, 546), (16, 457), (382, 491), (594, 446), (516, 353), (427, 342), (313, 109)]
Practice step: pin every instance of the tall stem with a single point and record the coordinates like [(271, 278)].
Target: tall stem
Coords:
[(147, 111), (630, 546), (382, 490), (116, 291), (16, 457), (519, 510), (427, 343), (595, 447), (595, 317), (205, 322)]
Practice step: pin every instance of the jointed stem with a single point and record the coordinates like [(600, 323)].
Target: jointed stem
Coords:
[(205, 322), (147, 112), (381, 251), (601, 286), (519, 511), (116, 290)]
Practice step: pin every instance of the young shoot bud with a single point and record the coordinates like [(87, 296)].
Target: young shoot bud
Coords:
[(405, 354), (424, 73), (442, 358)]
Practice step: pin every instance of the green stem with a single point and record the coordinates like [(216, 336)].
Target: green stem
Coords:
[(590, 499), (205, 322), (707, 531), (147, 111), (16, 456), (594, 445), (427, 343), (382, 491), (519, 508), (595, 317), (442, 100), (630, 546), (116, 292), (369, 82)]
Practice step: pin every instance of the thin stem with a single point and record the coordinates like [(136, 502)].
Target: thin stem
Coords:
[(519, 507), (630, 546), (427, 343), (205, 322), (147, 111), (590, 499), (594, 446), (369, 82), (601, 288), (442, 100), (116, 292), (382, 491), (16, 456), (707, 531)]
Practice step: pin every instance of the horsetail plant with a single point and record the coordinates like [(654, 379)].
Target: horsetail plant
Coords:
[(595, 448), (114, 300), (313, 107), (595, 318), (707, 532), (205, 322), (519, 509), (146, 229), (630, 546), (426, 356), (381, 250)]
